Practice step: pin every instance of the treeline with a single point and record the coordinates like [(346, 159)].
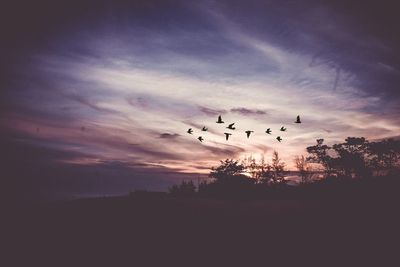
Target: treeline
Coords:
[(352, 160), (357, 157)]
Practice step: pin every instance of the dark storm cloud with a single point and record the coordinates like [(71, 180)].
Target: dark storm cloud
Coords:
[(246, 111)]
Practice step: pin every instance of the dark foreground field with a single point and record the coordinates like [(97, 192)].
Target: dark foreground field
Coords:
[(164, 231)]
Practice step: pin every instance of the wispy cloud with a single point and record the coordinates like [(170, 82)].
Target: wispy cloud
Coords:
[(246, 111), (169, 136), (211, 112), (137, 84)]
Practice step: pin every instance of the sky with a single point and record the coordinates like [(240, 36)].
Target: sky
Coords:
[(97, 96)]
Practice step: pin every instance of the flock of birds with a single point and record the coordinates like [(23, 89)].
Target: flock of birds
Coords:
[(248, 132)]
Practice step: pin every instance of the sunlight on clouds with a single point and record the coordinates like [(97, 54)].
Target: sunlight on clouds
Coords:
[(164, 100), (129, 98)]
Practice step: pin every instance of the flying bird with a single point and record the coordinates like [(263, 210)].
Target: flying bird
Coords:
[(220, 119), (230, 126), (279, 139), (227, 136), (298, 119), (200, 139), (190, 131), (204, 129), (83, 128), (283, 129), (248, 133), (268, 131)]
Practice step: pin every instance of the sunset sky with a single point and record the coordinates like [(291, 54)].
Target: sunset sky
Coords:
[(97, 97)]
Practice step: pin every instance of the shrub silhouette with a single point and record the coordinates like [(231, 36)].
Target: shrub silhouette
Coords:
[(185, 189)]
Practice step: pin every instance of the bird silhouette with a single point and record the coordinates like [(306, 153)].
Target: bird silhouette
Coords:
[(220, 119), (283, 129), (298, 119), (190, 131), (200, 139), (83, 128), (204, 129), (230, 126), (268, 131), (227, 136), (248, 133), (279, 139)]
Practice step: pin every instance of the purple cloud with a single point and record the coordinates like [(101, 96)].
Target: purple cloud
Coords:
[(169, 136), (211, 112), (246, 111)]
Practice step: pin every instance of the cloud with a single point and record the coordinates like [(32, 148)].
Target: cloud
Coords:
[(169, 136), (50, 172), (138, 101), (211, 112), (199, 126), (246, 111), (224, 152), (137, 89)]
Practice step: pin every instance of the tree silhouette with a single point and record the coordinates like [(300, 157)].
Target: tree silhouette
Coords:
[(251, 167), (319, 154), (384, 156), (230, 179), (304, 168), (352, 156), (278, 168), (265, 172), (356, 157), (227, 169), (260, 171)]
